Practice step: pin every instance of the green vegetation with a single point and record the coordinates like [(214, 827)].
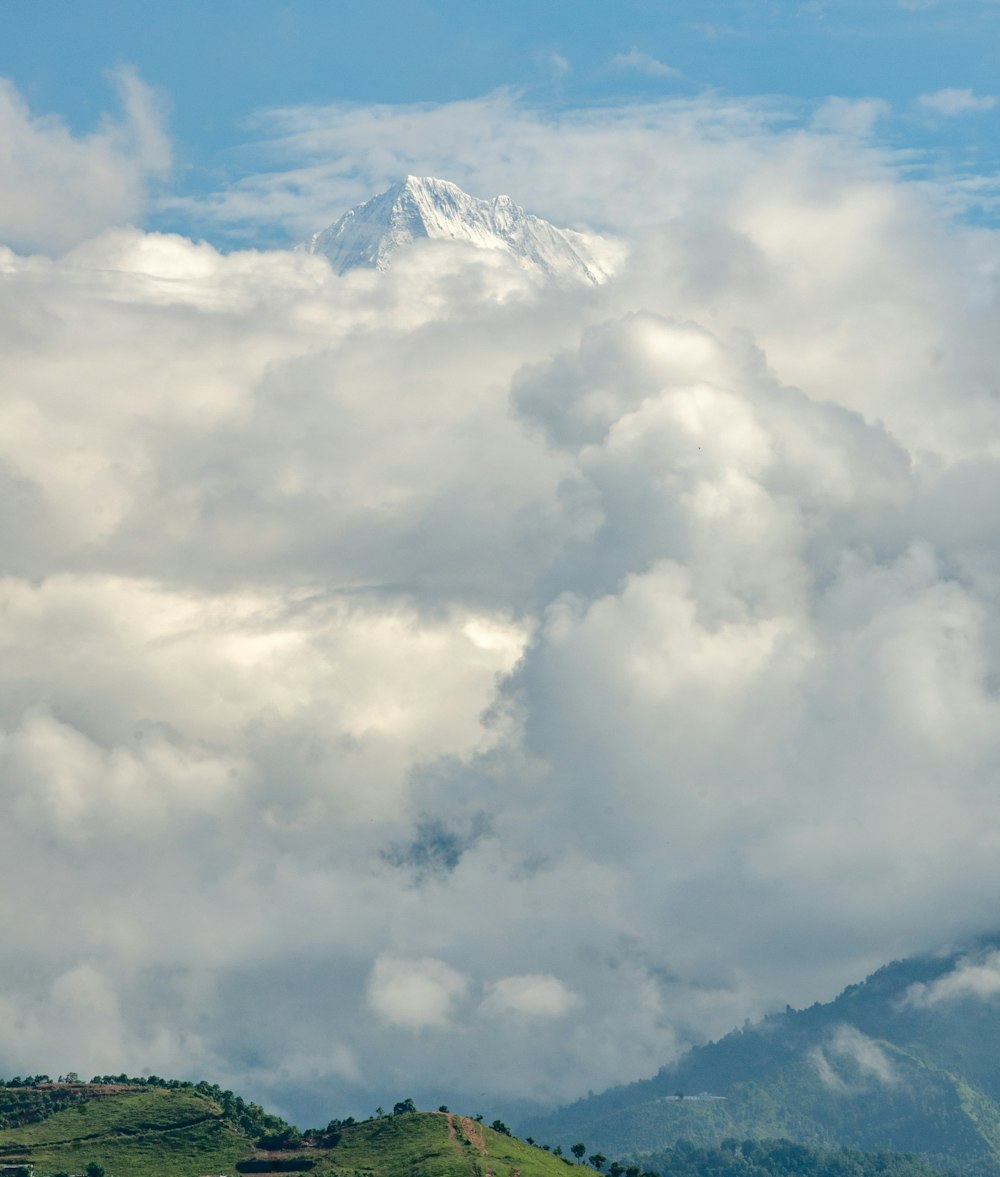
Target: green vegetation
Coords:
[(878, 1068), (125, 1129), (119, 1127), (782, 1158), (34, 1098), (432, 1144), (130, 1133)]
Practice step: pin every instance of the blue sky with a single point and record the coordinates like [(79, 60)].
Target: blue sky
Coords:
[(217, 65)]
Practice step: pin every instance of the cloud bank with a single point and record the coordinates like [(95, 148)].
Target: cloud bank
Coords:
[(429, 683)]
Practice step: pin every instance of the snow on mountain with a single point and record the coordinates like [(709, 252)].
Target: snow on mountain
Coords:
[(370, 234)]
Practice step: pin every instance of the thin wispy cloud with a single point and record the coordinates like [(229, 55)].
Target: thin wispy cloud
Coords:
[(644, 63), (713, 31), (952, 102), (975, 978), (559, 65)]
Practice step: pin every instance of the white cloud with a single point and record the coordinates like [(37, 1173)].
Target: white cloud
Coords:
[(952, 102), (339, 155), (644, 63), (977, 978), (59, 189), (845, 116), (414, 994), (850, 1059), (532, 995)]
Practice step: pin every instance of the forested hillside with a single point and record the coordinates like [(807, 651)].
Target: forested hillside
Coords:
[(906, 1060)]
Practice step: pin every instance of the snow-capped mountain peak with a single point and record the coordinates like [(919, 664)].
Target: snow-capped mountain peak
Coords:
[(422, 207)]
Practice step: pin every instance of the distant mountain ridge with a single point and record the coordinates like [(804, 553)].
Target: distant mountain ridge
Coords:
[(907, 1060), (424, 208)]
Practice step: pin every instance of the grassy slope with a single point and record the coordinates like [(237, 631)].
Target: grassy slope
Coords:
[(432, 1144), (146, 1133), (152, 1132)]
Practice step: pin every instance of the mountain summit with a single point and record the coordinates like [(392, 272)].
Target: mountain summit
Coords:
[(370, 234)]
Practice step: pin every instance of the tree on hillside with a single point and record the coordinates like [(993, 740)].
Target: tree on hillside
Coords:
[(597, 1160), (404, 1106), (287, 1136), (578, 1151)]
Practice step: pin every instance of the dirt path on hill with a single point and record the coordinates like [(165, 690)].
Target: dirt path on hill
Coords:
[(471, 1135), (474, 1134)]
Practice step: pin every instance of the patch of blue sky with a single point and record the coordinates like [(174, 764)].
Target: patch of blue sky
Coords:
[(932, 63)]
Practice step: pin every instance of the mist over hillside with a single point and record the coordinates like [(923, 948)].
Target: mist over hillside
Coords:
[(905, 1060)]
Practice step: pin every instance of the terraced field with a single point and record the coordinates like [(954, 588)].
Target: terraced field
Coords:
[(143, 1133)]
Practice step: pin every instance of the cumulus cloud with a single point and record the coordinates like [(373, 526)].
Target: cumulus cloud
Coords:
[(535, 996), (60, 189), (436, 665), (952, 102), (414, 993)]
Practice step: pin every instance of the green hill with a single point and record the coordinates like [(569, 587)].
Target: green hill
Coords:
[(880, 1067), (130, 1130), (433, 1144), (133, 1130), (154, 1129)]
